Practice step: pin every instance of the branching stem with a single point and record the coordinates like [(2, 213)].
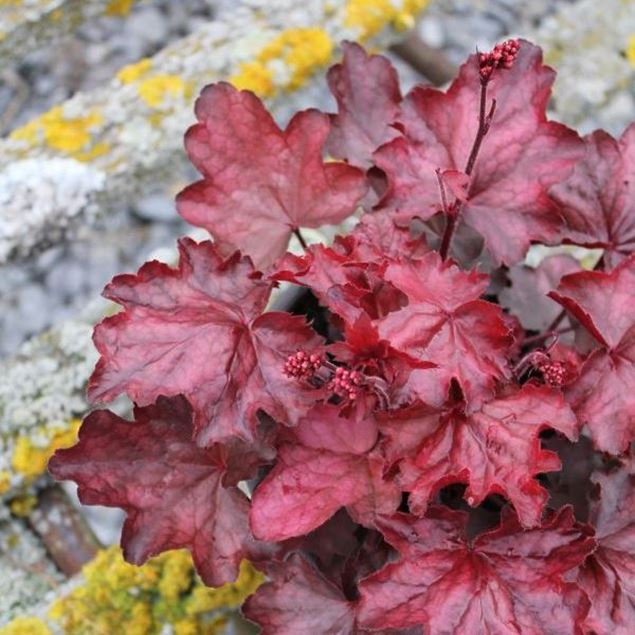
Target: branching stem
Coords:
[(484, 123)]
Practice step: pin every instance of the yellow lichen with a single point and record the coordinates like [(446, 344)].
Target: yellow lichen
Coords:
[(25, 626), (71, 135), (156, 89), (98, 150), (118, 7), (630, 50), (119, 597), (302, 50), (371, 16), (5, 481), (23, 505), (133, 72), (30, 460), (254, 76)]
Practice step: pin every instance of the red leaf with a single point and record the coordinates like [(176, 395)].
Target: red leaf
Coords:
[(608, 575), (300, 600), (507, 581), (597, 202), (446, 323), (364, 350), (378, 238), (328, 465), (457, 182), (603, 396), (346, 277), (527, 297), (195, 330), (521, 156), (494, 451), (366, 88), (261, 183), (172, 490)]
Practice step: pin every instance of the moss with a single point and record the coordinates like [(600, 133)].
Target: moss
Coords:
[(119, 597), (25, 626)]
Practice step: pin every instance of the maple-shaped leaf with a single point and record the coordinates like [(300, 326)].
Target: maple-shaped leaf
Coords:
[(364, 350), (527, 297), (495, 450), (521, 157), (597, 202), (327, 465), (603, 396), (299, 600), (366, 88), (262, 183), (172, 491), (445, 322), (608, 575), (345, 279), (378, 237), (507, 581), (197, 330)]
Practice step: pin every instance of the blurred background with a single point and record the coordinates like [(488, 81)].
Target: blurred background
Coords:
[(95, 96)]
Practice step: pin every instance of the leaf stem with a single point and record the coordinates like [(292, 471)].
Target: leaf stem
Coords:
[(536, 339), (300, 238), (484, 122)]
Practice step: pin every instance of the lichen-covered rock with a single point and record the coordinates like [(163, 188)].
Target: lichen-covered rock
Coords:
[(130, 129)]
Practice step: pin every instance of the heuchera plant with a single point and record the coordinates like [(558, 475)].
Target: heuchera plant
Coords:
[(439, 440)]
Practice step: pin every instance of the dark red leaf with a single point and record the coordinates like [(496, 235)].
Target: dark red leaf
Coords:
[(300, 601), (445, 322), (172, 491), (608, 575), (603, 396), (328, 465), (597, 202), (527, 297), (363, 349), (521, 156), (508, 581), (345, 277), (366, 88), (261, 183), (197, 330), (494, 451)]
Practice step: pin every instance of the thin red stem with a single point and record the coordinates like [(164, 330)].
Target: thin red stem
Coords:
[(299, 236), (484, 122), (450, 226)]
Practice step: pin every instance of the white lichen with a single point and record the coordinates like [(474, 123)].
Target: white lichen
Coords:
[(41, 200)]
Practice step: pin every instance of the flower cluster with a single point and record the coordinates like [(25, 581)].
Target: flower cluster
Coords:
[(400, 449), (501, 56)]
